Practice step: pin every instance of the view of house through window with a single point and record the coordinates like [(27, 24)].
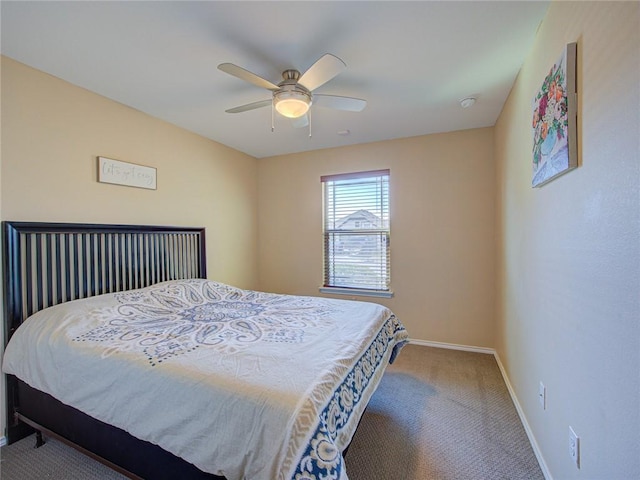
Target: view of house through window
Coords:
[(356, 230)]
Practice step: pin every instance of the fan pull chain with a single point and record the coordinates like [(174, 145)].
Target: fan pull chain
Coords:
[(309, 117), (272, 119)]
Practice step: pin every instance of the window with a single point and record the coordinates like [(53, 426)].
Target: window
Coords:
[(356, 233)]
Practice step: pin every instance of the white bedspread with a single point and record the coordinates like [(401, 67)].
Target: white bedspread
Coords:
[(243, 384)]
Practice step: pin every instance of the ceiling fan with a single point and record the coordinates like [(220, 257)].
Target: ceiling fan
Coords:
[(293, 96)]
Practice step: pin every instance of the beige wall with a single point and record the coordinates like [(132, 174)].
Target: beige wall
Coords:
[(569, 252), (442, 194), (52, 132)]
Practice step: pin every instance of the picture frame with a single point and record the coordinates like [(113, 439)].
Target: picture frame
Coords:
[(128, 174), (554, 121)]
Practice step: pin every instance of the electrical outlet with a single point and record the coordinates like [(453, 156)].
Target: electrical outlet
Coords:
[(542, 395), (574, 447)]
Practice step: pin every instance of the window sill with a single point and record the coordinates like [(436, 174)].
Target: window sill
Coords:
[(356, 292)]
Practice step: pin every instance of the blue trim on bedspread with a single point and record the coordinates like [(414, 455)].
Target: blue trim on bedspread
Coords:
[(322, 459)]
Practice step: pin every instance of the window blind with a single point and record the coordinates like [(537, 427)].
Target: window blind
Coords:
[(356, 230)]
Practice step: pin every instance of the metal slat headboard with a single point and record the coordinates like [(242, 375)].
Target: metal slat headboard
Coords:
[(50, 263)]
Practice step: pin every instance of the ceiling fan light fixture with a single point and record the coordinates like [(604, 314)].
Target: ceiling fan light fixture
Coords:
[(292, 104)]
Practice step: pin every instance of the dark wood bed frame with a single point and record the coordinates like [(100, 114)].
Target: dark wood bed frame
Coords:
[(50, 263)]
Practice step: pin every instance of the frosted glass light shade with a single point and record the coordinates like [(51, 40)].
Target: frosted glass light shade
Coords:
[(292, 104)]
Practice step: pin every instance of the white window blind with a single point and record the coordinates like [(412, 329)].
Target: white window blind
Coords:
[(356, 230)]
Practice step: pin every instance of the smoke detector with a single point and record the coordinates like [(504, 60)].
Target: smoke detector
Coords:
[(467, 102)]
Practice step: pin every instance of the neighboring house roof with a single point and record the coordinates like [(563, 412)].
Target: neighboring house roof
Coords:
[(359, 216)]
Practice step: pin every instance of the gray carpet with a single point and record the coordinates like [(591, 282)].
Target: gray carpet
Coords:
[(54, 460), (438, 414), (441, 414)]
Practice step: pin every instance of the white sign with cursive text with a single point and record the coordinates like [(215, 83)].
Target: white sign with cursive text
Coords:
[(124, 173)]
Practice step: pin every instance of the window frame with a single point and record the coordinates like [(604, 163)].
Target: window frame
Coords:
[(327, 182)]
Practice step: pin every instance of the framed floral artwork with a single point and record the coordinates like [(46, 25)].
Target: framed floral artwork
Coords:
[(554, 119)]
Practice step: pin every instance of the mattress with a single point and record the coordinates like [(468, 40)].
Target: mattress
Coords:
[(243, 384)]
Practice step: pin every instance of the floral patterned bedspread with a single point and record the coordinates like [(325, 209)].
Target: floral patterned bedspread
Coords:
[(244, 384)]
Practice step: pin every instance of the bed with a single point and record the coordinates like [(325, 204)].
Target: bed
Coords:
[(120, 346)]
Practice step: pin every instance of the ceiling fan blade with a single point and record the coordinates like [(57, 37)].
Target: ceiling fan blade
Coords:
[(325, 68), (250, 106), (349, 104), (300, 122), (246, 75)]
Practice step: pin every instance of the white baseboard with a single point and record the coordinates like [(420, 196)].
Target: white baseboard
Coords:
[(514, 398), (452, 346), (3, 441), (525, 423)]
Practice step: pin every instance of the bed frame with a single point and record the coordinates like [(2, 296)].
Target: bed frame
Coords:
[(50, 263)]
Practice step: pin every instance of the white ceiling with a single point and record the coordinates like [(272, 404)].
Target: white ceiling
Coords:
[(412, 61)]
